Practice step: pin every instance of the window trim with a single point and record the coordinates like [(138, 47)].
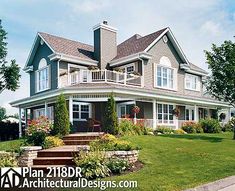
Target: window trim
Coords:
[(37, 78), (127, 66), (174, 118), (43, 109), (80, 104), (198, 84), (156, 77)]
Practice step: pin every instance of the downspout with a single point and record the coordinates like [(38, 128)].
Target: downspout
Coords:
[(58, 72), (142, 78)]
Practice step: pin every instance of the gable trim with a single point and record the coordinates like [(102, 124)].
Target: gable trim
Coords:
[(33, 47), (175, 44)]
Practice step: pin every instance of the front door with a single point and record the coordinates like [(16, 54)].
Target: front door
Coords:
[(189, 113)]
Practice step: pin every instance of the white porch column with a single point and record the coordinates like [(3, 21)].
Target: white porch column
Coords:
[(135, 119), (45, 106), (154, 114), (71, 109), (195, 113), (20, 123)]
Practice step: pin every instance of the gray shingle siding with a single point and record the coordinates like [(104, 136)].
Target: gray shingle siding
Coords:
[(43, 51)]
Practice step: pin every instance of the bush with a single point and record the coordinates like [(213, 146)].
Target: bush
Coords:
[(111, 143), (116, 165), (179, 132), (110, 117), (52, 141), (210, 125), (92, 164), (228, 126), (9, 131), (163, 130), (8, 159), (61, 122), (189, 127), (37, 131)]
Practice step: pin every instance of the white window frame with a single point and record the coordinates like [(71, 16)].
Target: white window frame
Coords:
[(191, 111), (80, 113), (168, 79), (192, 77), (128, 66), (169, 122), (41, 69), (75, 78), (50, 110), (120, 105)]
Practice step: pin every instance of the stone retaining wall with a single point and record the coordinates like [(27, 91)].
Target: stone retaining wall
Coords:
[(27, 155), (130, 156)]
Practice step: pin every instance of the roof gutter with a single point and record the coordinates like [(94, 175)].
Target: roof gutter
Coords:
[(133, 57)]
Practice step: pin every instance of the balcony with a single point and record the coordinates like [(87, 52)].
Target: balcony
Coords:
[(99, 76)]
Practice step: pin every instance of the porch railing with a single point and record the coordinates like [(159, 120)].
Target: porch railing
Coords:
[(95, 76), (149, 122)]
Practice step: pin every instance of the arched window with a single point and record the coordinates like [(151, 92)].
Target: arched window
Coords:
[(165, 74), (42, 76)]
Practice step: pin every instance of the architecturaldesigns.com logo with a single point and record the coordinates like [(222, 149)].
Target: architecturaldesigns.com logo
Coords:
[(10, 177)]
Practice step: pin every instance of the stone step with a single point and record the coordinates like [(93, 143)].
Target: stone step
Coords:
[(55, 153), (53, 161), (77, 142), (80, 137)]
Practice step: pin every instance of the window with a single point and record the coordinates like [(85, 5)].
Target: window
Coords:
[(125, 111), (81, 111), (165, 77), (42, 76), (130, 69), (189, 113), (41, 112), (165, 113), (192, 82)]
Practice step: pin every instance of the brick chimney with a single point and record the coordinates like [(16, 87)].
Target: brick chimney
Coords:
[(105, 43)]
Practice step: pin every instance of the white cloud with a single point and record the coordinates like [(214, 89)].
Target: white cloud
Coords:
[(211, 28)]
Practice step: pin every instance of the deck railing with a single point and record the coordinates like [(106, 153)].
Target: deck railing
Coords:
[(95, 76)]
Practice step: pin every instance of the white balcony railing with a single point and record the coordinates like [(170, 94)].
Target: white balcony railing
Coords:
[(95, 76)]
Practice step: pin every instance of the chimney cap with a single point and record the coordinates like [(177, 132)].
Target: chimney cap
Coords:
[(104, 25), (105, 22)]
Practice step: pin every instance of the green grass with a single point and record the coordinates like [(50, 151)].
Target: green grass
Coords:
[(11, 145), (176, 162)]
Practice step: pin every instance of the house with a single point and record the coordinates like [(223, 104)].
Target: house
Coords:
[(149, 71)]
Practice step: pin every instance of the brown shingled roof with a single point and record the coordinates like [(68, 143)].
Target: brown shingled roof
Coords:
[(136, 44), (69, 47)]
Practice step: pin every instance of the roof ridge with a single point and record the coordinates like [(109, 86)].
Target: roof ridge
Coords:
[(65, 38)]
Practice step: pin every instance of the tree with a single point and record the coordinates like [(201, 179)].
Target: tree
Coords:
[(110, 116), (9, 74), (2, 113), (61, 121), (221, 84)]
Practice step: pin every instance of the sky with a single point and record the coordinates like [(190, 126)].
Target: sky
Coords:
[(195, 24)]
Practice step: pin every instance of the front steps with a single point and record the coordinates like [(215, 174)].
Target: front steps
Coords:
[(63, 156)]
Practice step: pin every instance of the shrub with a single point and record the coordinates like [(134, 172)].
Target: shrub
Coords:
[(110, 116), (192, 127), (163, 130), (148, 131), (9, 131), (92, 164), (52, 141), (111, 143), (37, 131), (179, 132), (61, 122), (228, 126), (210, 125), (8, 159), (116, 165), (126, 127)]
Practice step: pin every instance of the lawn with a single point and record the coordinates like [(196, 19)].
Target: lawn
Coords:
[(176, 162), (13, 145)]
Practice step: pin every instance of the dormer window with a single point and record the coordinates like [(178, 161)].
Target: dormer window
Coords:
[(42, 76), (165, 74)]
